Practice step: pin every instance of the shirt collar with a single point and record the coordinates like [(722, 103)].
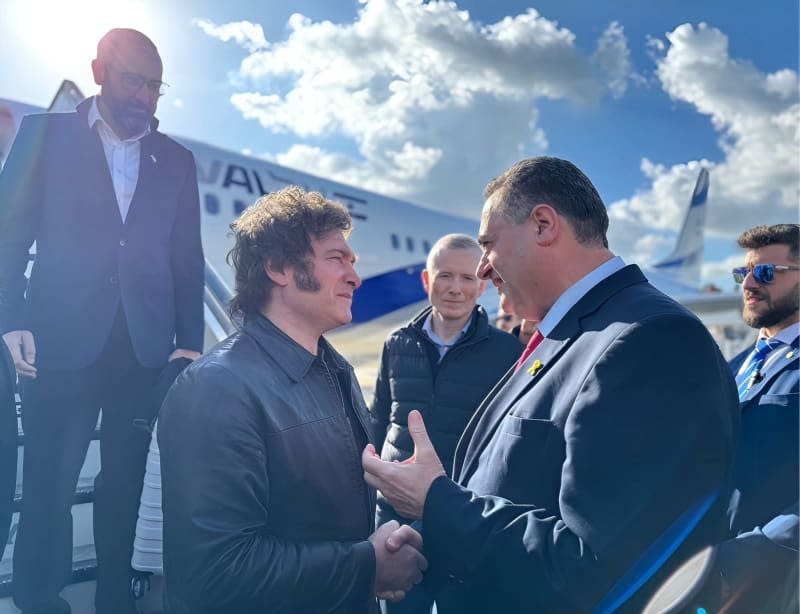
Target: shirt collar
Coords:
[(95, 116), (788, 334), (576, 292), (427, 326)]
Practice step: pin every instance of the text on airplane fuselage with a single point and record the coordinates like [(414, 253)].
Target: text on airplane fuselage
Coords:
[(257, 183)]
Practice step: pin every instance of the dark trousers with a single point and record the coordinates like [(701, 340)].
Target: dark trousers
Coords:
[(8, 442), (59, 414), (418, 600)]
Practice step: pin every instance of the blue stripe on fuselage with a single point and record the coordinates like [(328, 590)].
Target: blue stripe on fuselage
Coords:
[(388, 292)]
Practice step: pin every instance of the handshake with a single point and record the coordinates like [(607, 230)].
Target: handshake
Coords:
[(398, 561)]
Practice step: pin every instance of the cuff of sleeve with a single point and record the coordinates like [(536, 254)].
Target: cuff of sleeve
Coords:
[(783, 530), (438, 515), (189, 344), (365, 554)]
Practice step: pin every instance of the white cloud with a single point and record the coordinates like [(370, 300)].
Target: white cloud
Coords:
[(756, 117), (248, 35), (615, 58), (408, 164), (178, 103), (721, 270), (434, 102), (642, 226)]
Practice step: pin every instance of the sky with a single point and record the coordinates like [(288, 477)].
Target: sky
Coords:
[(428, 101)]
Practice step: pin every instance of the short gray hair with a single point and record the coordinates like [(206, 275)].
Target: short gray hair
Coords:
[(451, 241)]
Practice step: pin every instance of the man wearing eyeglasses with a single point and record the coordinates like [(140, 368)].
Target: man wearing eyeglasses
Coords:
[(115, 292)]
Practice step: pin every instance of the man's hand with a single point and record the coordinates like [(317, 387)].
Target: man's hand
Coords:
[(23, 351), (396, 540), (179, 353), (398, 561), (405, 485)]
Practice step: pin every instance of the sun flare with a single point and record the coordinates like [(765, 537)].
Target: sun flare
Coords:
[(65, 34)]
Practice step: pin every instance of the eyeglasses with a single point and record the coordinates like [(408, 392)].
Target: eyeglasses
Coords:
[(762, 273), (133, 82)]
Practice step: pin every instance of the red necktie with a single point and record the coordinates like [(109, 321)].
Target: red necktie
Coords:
[(535, 340)]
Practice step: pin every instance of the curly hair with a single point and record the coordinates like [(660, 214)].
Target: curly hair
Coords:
[(779, 234), (277, 231)]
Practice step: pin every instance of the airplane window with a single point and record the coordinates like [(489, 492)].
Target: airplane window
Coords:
[(239, 206), (212, 204), (410, 244), (426, 246), (395, 241)]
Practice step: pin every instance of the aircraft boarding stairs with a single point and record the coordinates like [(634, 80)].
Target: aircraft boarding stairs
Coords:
[(80, 592)]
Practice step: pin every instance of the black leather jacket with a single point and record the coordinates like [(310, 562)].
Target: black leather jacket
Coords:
[(265, 506)]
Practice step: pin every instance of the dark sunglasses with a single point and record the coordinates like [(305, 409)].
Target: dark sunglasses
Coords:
[(762, 273)]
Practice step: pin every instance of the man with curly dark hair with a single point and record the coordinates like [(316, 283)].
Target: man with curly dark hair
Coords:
[(265, 505)]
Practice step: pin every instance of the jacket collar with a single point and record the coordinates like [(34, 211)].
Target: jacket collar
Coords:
[(485, 420), (570, 324), (570, 327), (788, 355), (83, 110), (478, 326), (289, 355)]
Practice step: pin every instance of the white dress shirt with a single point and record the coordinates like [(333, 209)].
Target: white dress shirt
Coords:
[(122, 157)]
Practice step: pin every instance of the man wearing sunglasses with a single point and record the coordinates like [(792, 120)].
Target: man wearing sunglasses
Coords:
[(767, 375), (756, 569), (115, 292), (764, 507)]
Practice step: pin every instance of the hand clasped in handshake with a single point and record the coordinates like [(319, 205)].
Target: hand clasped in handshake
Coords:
[(399, 562), (398, 548)]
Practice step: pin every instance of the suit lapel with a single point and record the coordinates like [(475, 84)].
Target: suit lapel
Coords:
[(467, 435), (788, 355), (149, 162), (98, 176), (516, 385), (487, 419)]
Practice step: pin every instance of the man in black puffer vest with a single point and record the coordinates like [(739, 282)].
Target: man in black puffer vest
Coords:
[(443, 363)]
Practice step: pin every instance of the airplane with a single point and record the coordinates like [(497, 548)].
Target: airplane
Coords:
[(391, 238), (678, 275)]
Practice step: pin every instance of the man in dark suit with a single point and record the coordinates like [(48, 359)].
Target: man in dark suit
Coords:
[(8, 442), (756, 570), (605, 458), (115, 292), (766, 467)]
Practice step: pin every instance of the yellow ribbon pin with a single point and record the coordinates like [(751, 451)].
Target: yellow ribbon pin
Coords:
[(537, 364)]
